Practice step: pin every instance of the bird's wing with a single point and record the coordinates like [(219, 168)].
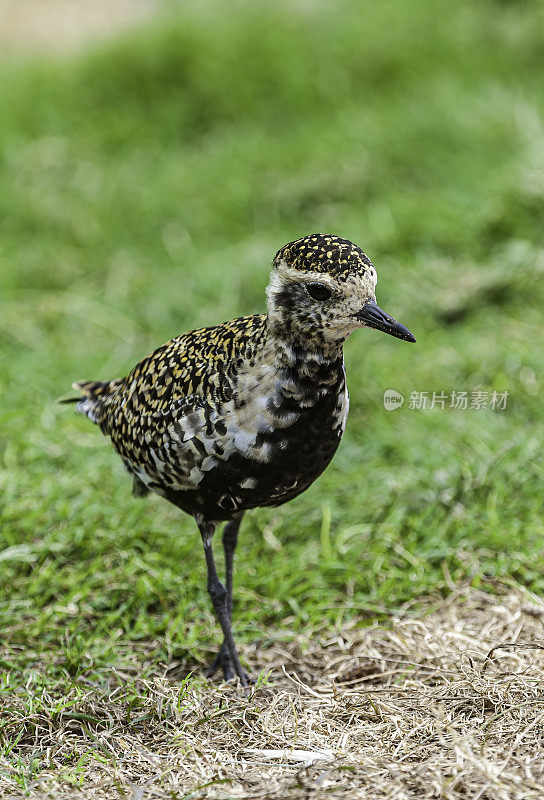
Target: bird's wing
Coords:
[(164, 418)]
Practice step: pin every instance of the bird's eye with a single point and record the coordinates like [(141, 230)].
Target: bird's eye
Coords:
[(318, 291)]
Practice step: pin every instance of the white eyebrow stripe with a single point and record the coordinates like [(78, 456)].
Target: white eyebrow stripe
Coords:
[(283, 270)]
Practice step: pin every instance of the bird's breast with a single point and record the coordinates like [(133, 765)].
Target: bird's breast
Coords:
[(263, 446), (280, 434)]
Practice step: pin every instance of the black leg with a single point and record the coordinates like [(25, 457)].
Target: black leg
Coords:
[(219, 597), (230, 539)]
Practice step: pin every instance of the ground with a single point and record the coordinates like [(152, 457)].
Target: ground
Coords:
[(147, 181), (443, 704)]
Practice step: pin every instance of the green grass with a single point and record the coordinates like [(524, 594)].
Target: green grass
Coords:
[(145, 188)]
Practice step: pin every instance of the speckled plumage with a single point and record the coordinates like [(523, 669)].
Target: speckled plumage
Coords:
[(326, 254), (247, 413), (213, 422)]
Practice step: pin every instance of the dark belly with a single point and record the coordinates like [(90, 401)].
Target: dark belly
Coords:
[(297, 456)]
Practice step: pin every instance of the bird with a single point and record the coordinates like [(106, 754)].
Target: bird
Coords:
[(247, 413)]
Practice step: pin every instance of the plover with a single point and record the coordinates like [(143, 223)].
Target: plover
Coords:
[(249, 412)]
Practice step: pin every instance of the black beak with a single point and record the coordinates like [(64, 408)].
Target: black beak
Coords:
[(373, 317)]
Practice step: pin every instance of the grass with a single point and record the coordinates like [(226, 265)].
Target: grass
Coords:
[(146, 186), (426, 708)]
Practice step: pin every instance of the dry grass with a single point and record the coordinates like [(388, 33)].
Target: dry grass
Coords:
[(448, 703)]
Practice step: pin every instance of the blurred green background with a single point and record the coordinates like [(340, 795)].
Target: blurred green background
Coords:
[(147, 182)]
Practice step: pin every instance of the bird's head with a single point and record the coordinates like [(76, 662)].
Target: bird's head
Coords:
[(321, 289)]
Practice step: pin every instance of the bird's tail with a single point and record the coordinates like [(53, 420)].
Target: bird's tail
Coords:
[(92, 397)]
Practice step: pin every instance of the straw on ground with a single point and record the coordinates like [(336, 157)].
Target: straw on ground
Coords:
[(447, 702)]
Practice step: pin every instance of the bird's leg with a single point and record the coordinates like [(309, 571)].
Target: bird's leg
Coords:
[(230, 539), (219, 598)]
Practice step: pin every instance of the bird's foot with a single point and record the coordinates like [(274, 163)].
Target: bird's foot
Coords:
[(223, 661)]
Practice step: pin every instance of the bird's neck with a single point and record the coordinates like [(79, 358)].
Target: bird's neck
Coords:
[(310, 358)]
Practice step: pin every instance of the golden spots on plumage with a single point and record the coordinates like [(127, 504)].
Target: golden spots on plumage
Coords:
[(324, 253), (172, 381)]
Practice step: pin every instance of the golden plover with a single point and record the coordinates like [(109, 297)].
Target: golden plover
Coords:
[(250, 412)]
